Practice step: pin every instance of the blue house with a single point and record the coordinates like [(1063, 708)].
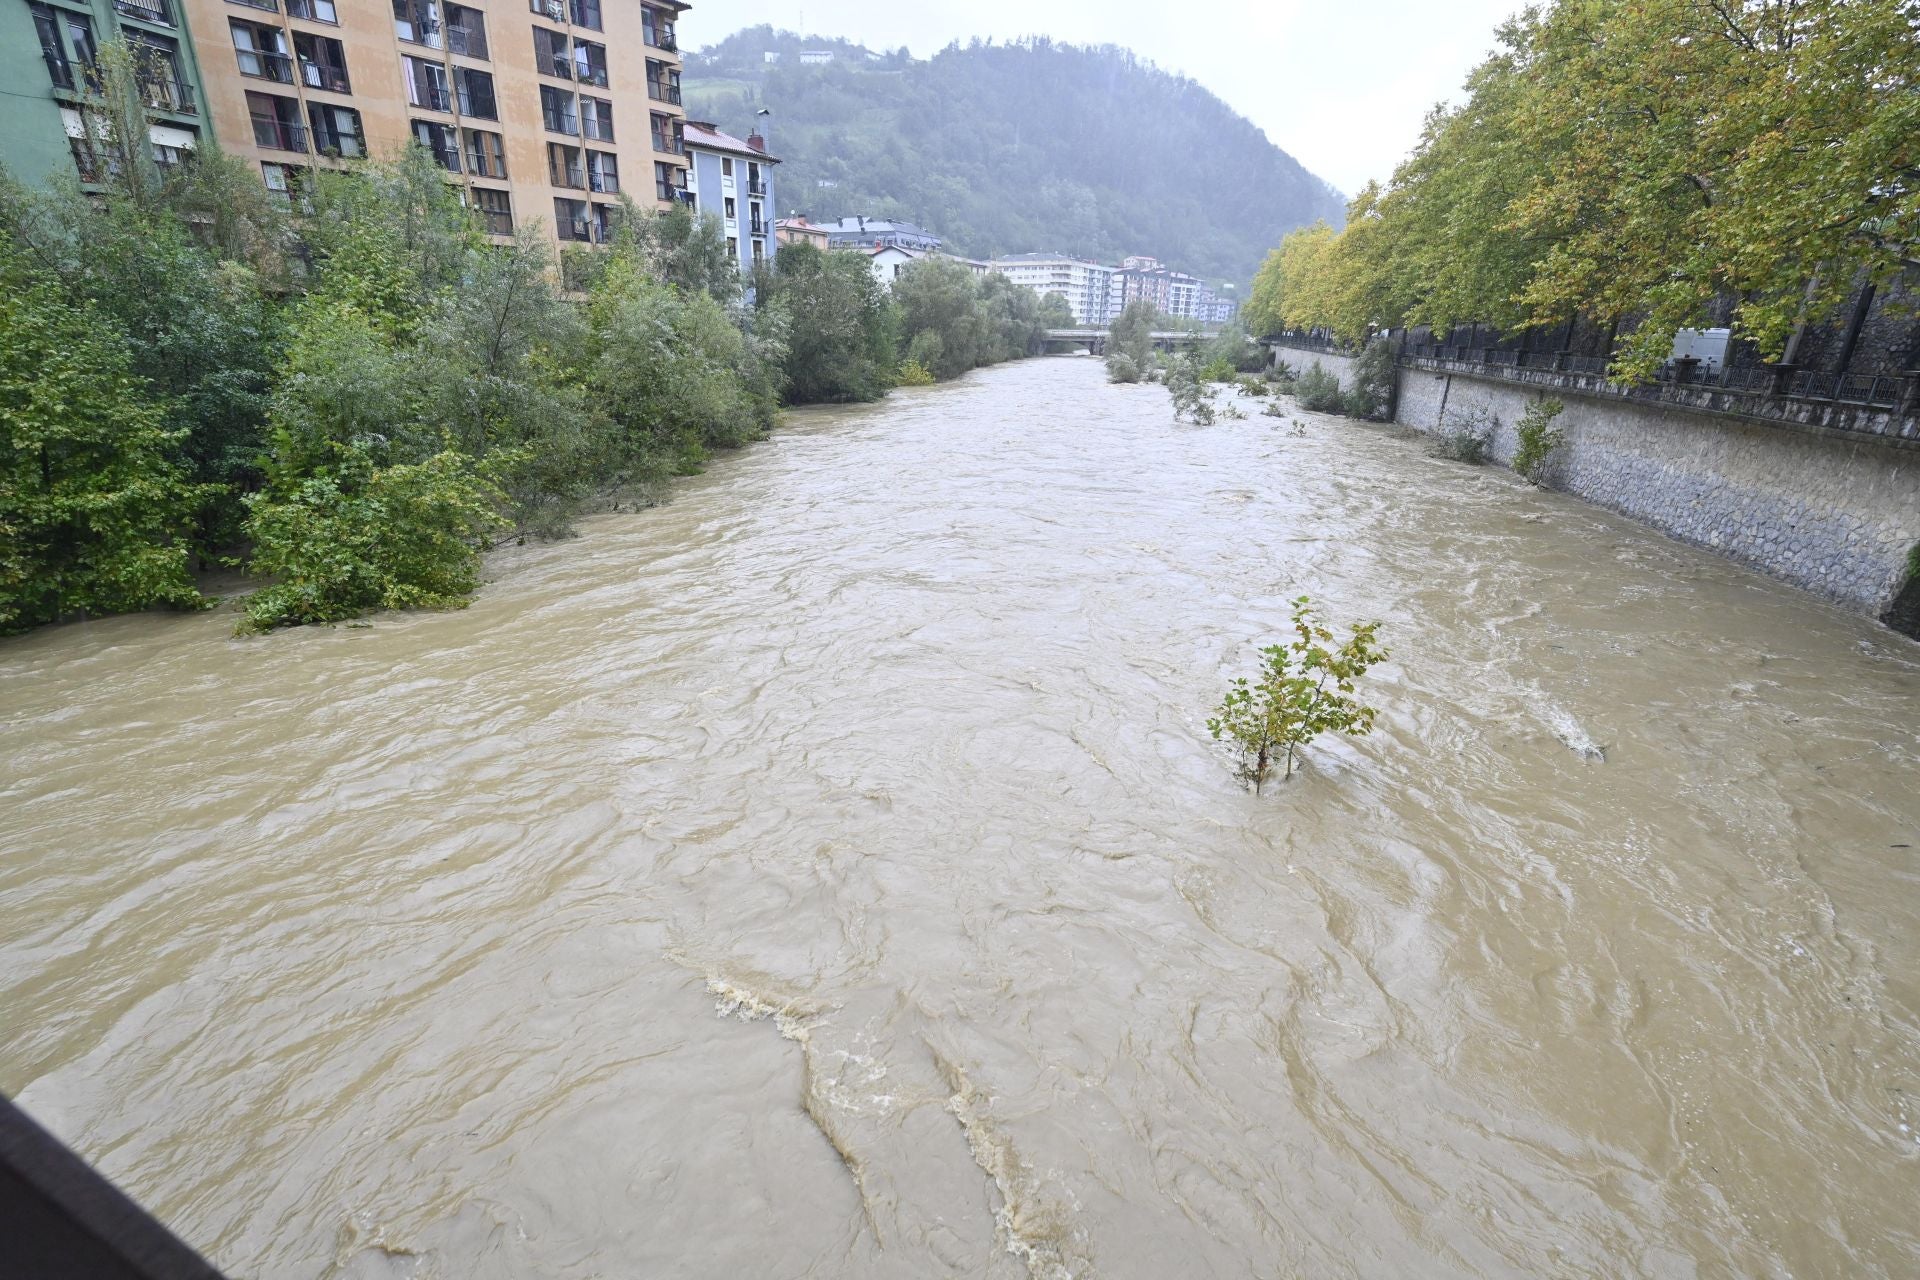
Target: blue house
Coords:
[(732, 179)]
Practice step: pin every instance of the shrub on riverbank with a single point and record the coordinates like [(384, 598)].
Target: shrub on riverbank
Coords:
[(1130, 342), (1306, 688), (1539, 438), (1318, 389)]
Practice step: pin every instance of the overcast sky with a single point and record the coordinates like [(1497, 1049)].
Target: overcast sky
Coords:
[(1341, 86)]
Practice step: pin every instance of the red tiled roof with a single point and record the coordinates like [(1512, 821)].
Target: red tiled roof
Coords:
[(701, 134)]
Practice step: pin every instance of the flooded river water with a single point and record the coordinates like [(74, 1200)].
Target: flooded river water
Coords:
[(829, 874)]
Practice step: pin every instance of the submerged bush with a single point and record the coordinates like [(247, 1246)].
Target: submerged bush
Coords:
[(1192, 397), (913, 374), (1305, 689), (1373, 377), (1469, 441), (1539, 438), (1318, 390)]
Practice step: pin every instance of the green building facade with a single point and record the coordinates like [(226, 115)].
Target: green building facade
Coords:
[(48, 53)]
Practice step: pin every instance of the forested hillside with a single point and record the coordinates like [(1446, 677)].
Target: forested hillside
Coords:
[(1015, 148)]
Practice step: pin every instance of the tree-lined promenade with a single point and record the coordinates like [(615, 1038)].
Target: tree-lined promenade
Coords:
[(1638, 163), (353, 399)]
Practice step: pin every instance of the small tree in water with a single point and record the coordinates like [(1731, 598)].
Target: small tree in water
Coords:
[(1305, 690)]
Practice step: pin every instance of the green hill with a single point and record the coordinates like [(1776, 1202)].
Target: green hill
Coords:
[(1000, 148)]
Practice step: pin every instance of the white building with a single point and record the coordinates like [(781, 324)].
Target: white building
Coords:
[(1087, 286), (887, 261)]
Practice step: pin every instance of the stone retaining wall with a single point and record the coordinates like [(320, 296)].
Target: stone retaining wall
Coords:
[(1836, 513)]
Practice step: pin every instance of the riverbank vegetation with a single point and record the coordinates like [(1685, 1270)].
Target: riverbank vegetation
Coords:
[(1305, 689), (1639, 165), (352, 399)]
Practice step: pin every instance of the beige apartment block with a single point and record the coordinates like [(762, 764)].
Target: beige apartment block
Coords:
[(541, 110)]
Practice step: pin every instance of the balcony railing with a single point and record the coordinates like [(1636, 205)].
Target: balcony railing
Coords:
[(279, 135), (572, 229), (499, 222), (756, 228), (155, 11), (568, 177), (757, 187), (669, 146), (277, 67), (317, 75), (598, 130), (469, 42), (587, 74), (661, 91), (561, 123), (445, 156), (432, 98), (168, 95), (606, 183), (313, 11)]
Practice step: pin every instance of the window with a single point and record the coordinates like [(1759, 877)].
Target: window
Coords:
[(669, 181), (286, 183), (729, 209), (261, 51), (754, 185), (417, 22), (476, 93), (603, 223), (323, 62), (669, 134), (570, 219), (313, 11), (726, 166), (336, 130), (486, 154), (754, 222), (438, 139), (496, 209), (51, 51), (80, 38), (556, 108), (259, 4), (663, 81), (563, 166), (156, 68), (733, 248), (759, 250), (657, 29), (590, 63), (550, 55), (276, 122), (603, 172), (551, 10), (466, 31), (426, 84), (596, 118), (585, 13)]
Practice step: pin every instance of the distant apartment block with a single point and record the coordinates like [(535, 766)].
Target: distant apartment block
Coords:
[(732, 179), (49, 62), (874, 233), (1087, 286), (799, 231), (1172, 293)]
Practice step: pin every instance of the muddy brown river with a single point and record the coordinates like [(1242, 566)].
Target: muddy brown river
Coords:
[(829, 874)]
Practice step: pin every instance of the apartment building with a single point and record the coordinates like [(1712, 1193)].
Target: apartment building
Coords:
[(49, 59), (732, 179), (1085, 285), (1173, 293), (540, 110), (876, 233)]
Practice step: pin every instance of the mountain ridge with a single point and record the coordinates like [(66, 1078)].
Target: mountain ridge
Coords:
[(1014, 147)]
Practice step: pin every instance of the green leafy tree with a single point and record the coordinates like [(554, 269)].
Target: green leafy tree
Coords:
[(842, 327), (1374, 373), (1130, 342), (943, 298), (1305, 689), (94, 508), (353, 536), (1319, 390), (1187, 384)]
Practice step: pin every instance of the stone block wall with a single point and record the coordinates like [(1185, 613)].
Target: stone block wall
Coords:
[(1837, 515)]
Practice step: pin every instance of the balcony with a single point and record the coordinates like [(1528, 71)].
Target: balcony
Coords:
[(558, 122), (168, 95), (756, 228), (757, 188), (573, 177), (661, 91), (604, 183), (317, 75), (154, 11), (572, 229), (277, 67), (279, 135), (669, 146), (469, 42), (596, 129)]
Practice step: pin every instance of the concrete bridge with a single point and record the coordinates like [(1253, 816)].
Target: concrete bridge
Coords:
[(1095, 340)]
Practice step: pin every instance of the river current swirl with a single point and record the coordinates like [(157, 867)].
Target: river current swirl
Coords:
[(829, 874)]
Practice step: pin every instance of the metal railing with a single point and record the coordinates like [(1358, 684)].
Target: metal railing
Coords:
[(598, 130), (313, 11), (279, 135), (318, 75), (568, 176), (572, 229), (560, 122), (168, 95), (155, 11), (605, 183), (661, 91), (470, 42), (58, 68)]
